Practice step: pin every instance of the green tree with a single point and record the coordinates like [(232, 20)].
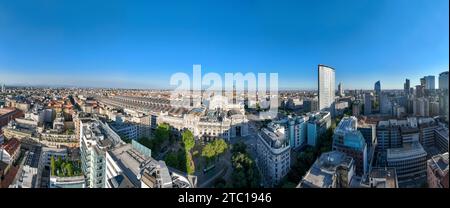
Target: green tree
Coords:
[(171, 160), (208, 152), (239, 147), (214, 149), (162, 132), (69, 169), (181, 155), (52, 165), (188, 140), (245, 174), (190, 168)]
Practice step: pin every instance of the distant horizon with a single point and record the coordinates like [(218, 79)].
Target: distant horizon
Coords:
[(125, 88)]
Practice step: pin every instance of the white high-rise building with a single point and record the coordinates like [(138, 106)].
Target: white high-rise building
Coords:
[(326, 85), (273, 152)]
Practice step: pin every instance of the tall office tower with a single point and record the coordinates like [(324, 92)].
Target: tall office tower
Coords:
[(406, 86), (326, 88), (420, 91), (423, 81), (367, 103), (3, 87), (443, 80), (340, 89), (429, 82), (377, 87)]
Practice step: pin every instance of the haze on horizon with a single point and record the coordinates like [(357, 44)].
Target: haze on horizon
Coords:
[(140, 45)]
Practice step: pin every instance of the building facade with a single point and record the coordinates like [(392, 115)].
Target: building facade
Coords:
[(326, 86)]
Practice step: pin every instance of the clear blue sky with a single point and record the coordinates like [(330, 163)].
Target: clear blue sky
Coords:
[(142, 43)]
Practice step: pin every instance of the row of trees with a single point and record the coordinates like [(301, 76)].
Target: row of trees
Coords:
[(182, 160)]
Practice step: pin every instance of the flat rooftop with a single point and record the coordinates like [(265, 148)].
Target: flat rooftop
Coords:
[(322, 171), (129, 160), (408, 150), (384, 177)]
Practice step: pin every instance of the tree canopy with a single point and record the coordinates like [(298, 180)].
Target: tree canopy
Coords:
[(188, 140)]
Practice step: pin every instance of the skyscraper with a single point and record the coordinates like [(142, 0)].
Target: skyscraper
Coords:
[(367, 103), (443, 80), (420, 91), (340, 89), (406, 86), (326, 86), (429, 82), (377, 87)]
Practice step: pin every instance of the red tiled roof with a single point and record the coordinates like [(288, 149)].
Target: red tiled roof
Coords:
[(11, 145)]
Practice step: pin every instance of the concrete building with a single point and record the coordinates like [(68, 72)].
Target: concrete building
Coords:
[(125, 129), (429, 82), (126, 160), (441, 139), (96, 139), (367, 103), (131, 166), (28, 175), (434, 109), (207, 125), (406, 86), (356, 108), (377, 89), (331, 170), (420, 91), (385, 104), (67, 182), (437, 171), (326, 86), (427, 134), (421, 107), (273, 153), (9, 114), (318, 124), (310, 105), (10, 151), (340, 89), (297, 131), (44, 174), (410, 163), (369, 133), (443, 81), (389, 133), (443, 104), (347, 139), (383, 178)]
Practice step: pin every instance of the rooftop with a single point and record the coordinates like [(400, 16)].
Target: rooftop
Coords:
[(322, 172), (383, 177), (441, 161), (11, 145), (413, 149)]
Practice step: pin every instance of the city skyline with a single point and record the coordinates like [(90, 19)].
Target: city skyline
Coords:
[(124, 46)]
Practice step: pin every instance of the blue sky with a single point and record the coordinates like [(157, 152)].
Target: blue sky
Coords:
[(142, 43)]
